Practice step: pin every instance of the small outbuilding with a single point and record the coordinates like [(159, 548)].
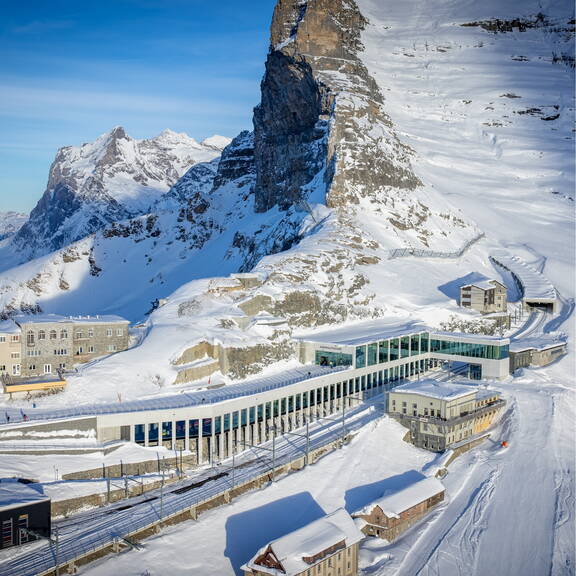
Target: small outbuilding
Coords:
[(536, 352), (24, 513), (326, 547), (394, 513)]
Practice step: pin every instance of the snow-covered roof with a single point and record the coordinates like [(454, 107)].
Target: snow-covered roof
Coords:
[(542, 342), (536, 286), (483, 284), (482, 393), (435, 389), (216, 283), (309, 541), (14, 493), (394, 504), (9, 327), (365, 332), (470, 338), (56, 318)]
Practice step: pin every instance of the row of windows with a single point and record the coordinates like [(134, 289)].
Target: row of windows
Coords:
[(13, 338), (471, 350), (266, 411), (78, 335), (393, 349)]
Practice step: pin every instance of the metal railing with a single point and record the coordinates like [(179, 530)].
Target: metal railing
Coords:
[(424, 253)]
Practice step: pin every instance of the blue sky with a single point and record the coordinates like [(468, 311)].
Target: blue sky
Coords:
[(71, 70)]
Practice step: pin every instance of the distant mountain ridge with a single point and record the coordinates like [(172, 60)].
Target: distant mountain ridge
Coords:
[(114, 178), (10, 223)]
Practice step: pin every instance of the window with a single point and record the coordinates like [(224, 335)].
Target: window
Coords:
[(15, 338), (119, 332), (2, 338), (15, 355), (80, 350), (360, 356), (52, 334), (30, 338), (32, 367), (33, 353), (7, 533), (90, 332), (325, 358), (79, 335), (3, 368), (108, 332), (47, 368), (16, 370), (23, 528), (372, 354), (111, 347), (91, 349), (63, 334), (42, 335)]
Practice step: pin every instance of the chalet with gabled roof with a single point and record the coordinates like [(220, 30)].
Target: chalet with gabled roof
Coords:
[(326, 547), (394, 513)]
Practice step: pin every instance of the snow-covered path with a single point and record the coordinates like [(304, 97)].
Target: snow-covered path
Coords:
[(511, 510)]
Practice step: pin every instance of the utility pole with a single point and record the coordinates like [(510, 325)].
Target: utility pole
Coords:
[(307, 443), (274, 453), (233, 466), (57, 542), (162, 497)]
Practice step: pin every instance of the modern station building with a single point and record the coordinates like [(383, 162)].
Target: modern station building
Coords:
[(340, 368)]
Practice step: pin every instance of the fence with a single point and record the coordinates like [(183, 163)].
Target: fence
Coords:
[(423, 253)]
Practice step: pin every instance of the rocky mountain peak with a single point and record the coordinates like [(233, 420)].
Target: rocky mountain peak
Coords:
[(116, 177)]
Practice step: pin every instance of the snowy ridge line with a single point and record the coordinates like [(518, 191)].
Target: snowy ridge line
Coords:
[(182, 400), (534, 285), (422, 253), (80, 539)]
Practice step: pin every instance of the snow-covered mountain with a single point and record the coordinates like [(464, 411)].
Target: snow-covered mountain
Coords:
[(381, 131), (10, 223), (111, 179)]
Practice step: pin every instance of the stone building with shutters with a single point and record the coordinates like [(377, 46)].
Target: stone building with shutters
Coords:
[(326, 547), (440, 414), (10, 349), (51, 344), (393, 514)]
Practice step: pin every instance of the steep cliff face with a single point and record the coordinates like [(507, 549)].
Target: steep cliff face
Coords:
[(322, 133), (109, 180)]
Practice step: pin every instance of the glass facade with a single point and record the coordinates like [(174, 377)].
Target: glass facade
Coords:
[(325, 358), (470, 350)]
